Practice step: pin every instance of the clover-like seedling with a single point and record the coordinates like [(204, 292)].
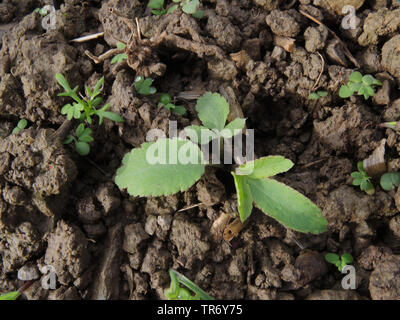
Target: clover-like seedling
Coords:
[(389, 180), (82, 139), (121, 56), (143, 86), (170, 165), (165, 101), (20, 125), (188, 6), (360, 178), (317, 95), (85, 108), (363, 85), (176, 292), (340, 262)]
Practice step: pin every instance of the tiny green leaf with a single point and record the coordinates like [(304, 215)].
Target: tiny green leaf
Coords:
[(332, 258), (156, 4), (356, 77), (389, 180), (347, 258), (82, 148), (191, 6), (245, 200), (22, 123), (265, 167), (345, 92), (313, 96), (212, 110)]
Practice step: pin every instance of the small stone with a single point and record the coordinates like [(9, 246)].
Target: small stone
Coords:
[(151, 224), (164, 222)]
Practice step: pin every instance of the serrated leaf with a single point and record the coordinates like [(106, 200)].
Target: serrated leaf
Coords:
[(356, 77), (265, 167), (245, 200), (332, 258), (287, 206), (345, 92), (212, 110), (151, 170), (389, 180)]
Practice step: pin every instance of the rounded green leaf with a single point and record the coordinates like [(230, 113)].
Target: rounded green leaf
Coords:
[(212, 110), (191, 6), (345, 92), (160, 168), (347, 258), (265, 167), (245, 200), (22, 123), (165, 98), (156, 4), (332, 258), (389, 180), (80, 130), (287, 206), (82, 148), (368, 79), (356, 77), (180, 110)]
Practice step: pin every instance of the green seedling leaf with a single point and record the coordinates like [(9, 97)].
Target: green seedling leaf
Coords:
[(160, 168), (389, 180), (82, 148), (322, 94), (347, 258), (313, 96), (80, 130), (287, 206), (121, 45), (143, 86), (165, 99), (332, 258), (22, 124), (245, 200), (180, 110), (191, 6), (10, 296), (119, 58), (356, 77), (265, 167), (212, 110), (198, 14), (156, 4), (200, 134), (233, 128), (112, 116), (345, 91), (368, 80), (68, 140), (173, 8), (158, 12)]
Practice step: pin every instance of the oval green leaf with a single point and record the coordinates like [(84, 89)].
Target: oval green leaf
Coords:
[(245, 200), (265, 167)]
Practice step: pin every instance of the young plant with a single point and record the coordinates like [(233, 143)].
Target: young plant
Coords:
[(42, 11), (389, 180), (121, 56), (165, 101), (85, 108), (176, 292), (10, 295), (168, 166), (317, 95), (83, 137), (20, 125), (363, 85), (340, 262), (360, 178), (188, 6), (143, 86)]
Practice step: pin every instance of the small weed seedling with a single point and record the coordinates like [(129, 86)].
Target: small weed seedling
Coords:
[(363, 85), (389, 180), (176, 292), (165, 101), (317, 95), (42, 11), (85, 108), (83, 137), (188, 6), (143, 86), (360, 178), (20, 125), (143, 174), (340, 262), (121, 56), (10, 295)]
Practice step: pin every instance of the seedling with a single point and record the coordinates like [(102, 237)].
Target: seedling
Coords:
[(389, 180), (143, 86), (360, 178), (188, 6), (165, 101), (340, 262), (83, 137), (85, 108), (121, 56), (363, 85), (143, 173), (10, 295), (176, 292), (20, 125), (42, 11), (317, 95)]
